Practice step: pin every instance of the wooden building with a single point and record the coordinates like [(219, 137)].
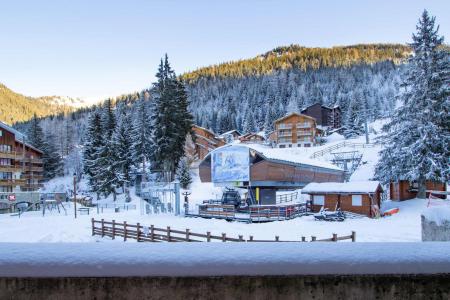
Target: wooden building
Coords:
[(270, 169), (405, 190), (204, 142), (252, 138), (325, 116), (21, 165), (230, 136), (295, 130), (361, 197)]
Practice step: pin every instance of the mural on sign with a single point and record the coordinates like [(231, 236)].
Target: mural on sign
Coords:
[(230, 164)]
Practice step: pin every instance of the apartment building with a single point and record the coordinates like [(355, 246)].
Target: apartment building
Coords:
[(21, 165), (294, 130), (327, 117), (205, 141)]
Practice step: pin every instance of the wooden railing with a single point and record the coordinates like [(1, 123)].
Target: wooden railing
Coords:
[(152, 233), (340, 145)]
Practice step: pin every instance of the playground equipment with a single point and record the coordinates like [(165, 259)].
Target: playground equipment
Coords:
[(160, 197)]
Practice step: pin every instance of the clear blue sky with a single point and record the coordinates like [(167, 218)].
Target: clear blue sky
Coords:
[(99, 48)]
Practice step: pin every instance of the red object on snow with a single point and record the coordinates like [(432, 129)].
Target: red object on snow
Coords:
[(391, 211)]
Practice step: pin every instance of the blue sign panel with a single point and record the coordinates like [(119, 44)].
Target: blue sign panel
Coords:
[(230, 164)]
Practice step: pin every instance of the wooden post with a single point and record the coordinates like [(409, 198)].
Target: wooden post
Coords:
[(93, 226), (168, 233), (224, 237), (313, 238), (124, 231), (138, 233), (353, 236), (187, 235), (241, 238), (334, 239), (103, 228), (251, 238), (152, 233), (208, 236), (277, 238), (303, 239), (113, 229)]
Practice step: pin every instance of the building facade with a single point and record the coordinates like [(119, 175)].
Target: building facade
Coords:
[(295, 130), (325, 116), (21, 165), (204, 142)]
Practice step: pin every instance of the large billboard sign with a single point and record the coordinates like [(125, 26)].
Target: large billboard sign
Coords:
[(230, 164)]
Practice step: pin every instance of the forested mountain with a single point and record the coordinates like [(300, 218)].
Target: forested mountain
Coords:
[(15, 107), (249, 94)]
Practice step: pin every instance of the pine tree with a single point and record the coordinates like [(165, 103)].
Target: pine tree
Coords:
[(184, 174), (141, 135), (171, 118), (354, 122), (418, 137), (53, 164), (122, 148), (35, 134), (93, 142)]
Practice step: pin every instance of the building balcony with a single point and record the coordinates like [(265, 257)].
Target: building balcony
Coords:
[(283, 141), (11, 155), (284, 133), (10, 169), (13, 182), (284, 126), (18, 156), (304, 133), (303, 125)]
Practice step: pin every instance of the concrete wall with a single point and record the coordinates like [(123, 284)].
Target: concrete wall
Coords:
[(433, 232), (232, 287)]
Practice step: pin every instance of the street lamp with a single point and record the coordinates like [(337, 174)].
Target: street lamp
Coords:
[(75, 194)]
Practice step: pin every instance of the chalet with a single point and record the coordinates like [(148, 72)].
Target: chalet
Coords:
[(405, 190), (326, 117), (252, 138), (204, 142), (230, 136), (361, 197), (21, 165), (294, 130)]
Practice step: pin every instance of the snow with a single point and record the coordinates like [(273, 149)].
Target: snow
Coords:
[(298, 155), (342, 187), (437, 214), (221, 259), (335, 137)]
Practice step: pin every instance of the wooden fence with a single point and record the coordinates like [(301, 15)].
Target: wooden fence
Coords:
[(151, 233)]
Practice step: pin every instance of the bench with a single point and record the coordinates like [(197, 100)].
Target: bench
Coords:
[(84, 210)]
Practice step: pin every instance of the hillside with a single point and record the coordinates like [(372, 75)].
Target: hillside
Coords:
[(303, 58), (15, 107)]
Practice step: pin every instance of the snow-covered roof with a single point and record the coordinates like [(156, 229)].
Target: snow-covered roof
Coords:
[(293, 114), (19, 136), (285, 155), (230, 132), (342, 187)]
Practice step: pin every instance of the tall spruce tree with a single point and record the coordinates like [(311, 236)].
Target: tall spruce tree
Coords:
[(53, 164), (122, 147), (354, 121), (183, 173), (171, 118), (35, 134), (418, 137), (141, 135), (93, 142)]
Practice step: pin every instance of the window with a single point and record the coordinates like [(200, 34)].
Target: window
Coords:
[(1, 133), (307, 145), (282, 146), (319, 200), (290, 145), (357, 200)]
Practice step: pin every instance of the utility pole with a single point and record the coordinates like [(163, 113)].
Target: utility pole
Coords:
[(366, 128), (75, 194)]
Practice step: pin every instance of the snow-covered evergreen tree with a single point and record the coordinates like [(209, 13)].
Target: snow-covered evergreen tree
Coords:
[(171, 118), (418, 137), (141, 134), (93, 142), (355, 118), (53, 164), (35, 134), (122, 147), (183, 173)]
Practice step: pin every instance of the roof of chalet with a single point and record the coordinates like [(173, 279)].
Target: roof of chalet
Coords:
[(363, 187), (205, 129), (293, 114), (230, 132), (324, 106), (285, 155), (19, 136)]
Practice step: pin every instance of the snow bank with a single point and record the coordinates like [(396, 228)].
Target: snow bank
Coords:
[(216, 259), (438, 214), (342, 187)]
